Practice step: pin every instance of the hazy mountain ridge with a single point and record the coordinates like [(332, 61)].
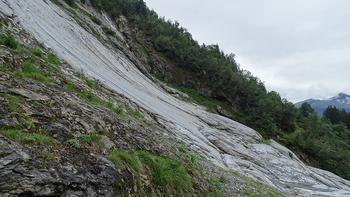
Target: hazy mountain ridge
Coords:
[(341, 101)]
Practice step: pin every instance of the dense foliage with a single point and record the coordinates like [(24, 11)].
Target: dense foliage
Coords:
[(326, 145), (336, 116), (318, 141)]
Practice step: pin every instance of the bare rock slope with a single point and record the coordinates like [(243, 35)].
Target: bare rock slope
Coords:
[(225, 142)]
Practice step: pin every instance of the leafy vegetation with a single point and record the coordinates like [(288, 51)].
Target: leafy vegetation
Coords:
[(336, 116)]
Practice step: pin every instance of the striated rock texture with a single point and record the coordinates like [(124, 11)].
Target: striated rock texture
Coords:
[(226, 143)]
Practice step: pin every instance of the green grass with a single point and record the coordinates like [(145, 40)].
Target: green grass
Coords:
[(14, 102), (9, 41), (91, 138), (166, 173), (256, 189), (30, 70), (214, 194), (71, 87), (267, 194), (37, 52), (217, 184), (3, 67), (266, 141), (27, 138), (2, 23), (90, 97), (137, 114), (191, 159), (28, 123), (125, 159), (53, 59), (92, 84), (93, 99)]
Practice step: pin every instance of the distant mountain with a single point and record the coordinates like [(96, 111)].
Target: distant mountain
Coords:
[(341, 101)]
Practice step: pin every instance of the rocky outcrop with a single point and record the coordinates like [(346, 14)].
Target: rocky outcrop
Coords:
[(21, 175), (228, 144)]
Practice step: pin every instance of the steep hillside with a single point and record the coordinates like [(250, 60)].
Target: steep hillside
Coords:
[(341, 101), (64, 133)]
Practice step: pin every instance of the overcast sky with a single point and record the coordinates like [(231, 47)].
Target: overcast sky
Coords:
[(299, 48)]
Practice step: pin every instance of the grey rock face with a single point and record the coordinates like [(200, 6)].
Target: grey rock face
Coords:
[(225, 142), (21, 175)]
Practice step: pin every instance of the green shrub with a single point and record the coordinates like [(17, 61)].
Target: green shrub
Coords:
[(9, 41)]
